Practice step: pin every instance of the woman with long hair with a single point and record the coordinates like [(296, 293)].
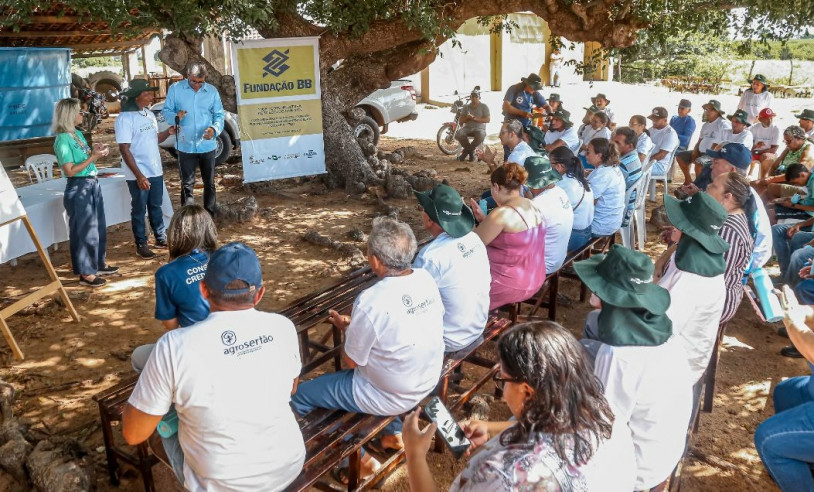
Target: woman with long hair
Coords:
[(191, 238), (733, 192), (644, 145), (561, 418), (579, 194), (514, 235), (608, 184), (87, 229)]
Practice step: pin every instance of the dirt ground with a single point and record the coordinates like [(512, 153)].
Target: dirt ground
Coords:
[(67, 363)]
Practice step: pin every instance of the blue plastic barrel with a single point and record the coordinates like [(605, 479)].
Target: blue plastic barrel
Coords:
[(31, 81)]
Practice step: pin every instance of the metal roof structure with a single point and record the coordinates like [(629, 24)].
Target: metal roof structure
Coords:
[(55, 26)]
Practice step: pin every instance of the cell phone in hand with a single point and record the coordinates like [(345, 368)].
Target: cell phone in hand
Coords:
[(447, 427)]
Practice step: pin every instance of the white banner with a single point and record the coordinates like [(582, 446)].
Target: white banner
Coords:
[(279, 107), (10, 206)]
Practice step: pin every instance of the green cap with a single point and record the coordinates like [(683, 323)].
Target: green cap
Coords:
[(540, 172), (554, 97), (446, 208), (760, 78), (136, 87), (533, 80), (807, 114), (716, 105), (740, 115), (624, 278), (563, 115), (699, 216)]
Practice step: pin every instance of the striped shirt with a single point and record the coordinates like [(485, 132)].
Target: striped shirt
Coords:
[(735, 231)]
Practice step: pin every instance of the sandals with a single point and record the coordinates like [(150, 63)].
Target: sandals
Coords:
[(340, 474), (375, 446), (96, 282)]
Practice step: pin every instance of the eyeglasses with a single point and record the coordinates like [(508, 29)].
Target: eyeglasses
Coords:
[(196, 82), (501, 382), (83, 113)]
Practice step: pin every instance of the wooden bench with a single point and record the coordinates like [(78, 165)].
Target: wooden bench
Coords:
[(111, 405)]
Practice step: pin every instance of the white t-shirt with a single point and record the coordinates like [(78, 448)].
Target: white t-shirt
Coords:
[(649, 389), (696, 306), (396, 336), (769, 135), (520, 153), (569, 136), (753, 103), (558, 216), (644, 145), (664, 139), (590, 134), (460, 267), (763, 238), (810, 133), (745, 137), (712, 132), (611, 115), (608, 185), (140, 130), (582, 202), (230, 377)]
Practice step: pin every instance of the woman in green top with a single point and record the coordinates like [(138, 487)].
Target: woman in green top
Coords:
[(83, 196)]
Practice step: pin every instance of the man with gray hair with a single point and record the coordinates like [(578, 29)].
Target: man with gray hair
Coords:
[(394, 343), (196, 109), (511, 136)]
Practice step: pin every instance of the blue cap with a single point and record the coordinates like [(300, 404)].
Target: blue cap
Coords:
[(233, 261), (734, 153)]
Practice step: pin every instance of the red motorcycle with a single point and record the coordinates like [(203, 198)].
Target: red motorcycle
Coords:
[(446, 134)]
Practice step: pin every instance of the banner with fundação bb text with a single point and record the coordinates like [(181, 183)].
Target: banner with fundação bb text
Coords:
[(279, 107)]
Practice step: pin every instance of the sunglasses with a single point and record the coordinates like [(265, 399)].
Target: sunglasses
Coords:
[(500, 382)]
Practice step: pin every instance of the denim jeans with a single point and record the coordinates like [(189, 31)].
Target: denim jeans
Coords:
[(785, 442), (799, 259), (579, 238), (464, 134), (149, 201), (333, 390), (87, 228), (175, 454), (187, 164), (784, 247)]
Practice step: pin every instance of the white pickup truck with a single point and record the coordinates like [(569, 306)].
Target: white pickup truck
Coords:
[(397, 103)]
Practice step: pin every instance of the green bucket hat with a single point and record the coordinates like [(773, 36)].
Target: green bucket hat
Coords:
[(540, 172), (700, 217), (741, 116), (806, 114), (716, 105), (533, 80), (624, 278), (592, 109), (760, 78), (446, 208), (554, 97), (625, 327), (136, 87), (563, 115)]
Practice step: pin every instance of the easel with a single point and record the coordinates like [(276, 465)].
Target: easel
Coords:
[(12, 210), (54, 286)]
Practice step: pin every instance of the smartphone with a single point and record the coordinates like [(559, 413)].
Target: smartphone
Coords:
[(448, 429)]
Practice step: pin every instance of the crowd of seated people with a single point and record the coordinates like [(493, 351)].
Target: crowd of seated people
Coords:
[(607, 412)]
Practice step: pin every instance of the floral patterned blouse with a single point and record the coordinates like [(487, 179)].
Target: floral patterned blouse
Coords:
[(529, 466)]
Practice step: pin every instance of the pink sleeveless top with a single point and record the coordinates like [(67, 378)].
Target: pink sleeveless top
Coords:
[(517, 264)]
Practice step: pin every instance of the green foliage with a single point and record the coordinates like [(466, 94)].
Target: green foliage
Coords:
[(798, 49), (96, 61)]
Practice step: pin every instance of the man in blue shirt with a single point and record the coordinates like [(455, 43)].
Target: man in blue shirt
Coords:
[(625, 139), (683, 124), (200, 114), (520, 100)]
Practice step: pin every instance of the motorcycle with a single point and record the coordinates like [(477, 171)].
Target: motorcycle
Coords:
[(446, 134), (95, 111)]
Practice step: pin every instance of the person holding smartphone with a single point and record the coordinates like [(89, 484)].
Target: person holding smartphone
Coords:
[(83, 200), (549, 446)]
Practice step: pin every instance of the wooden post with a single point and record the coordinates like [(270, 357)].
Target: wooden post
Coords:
[(545, 70), (425, 85), (144, 62), (496, 60)]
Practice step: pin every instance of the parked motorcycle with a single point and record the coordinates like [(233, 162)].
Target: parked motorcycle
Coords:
[(95, 109), (446, 134)]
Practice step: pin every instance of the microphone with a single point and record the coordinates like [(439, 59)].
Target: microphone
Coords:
[(177, 122)]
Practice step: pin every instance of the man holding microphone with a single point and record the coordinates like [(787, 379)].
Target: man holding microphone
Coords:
[(138, 138), (197, 110)]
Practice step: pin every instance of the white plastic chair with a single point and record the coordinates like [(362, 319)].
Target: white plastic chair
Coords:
[(637, 218), (668, 175), (42, 165)]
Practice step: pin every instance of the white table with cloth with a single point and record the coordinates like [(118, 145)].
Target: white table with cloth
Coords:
[(43, 205)]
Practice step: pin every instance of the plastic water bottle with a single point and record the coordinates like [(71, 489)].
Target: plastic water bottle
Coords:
[(769, 302), (168, 425)]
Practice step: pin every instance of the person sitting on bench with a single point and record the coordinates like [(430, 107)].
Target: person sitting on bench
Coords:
[(553, 204), (457, 260), (561, 422), (394, 341), (230, 378), (639, 362)]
